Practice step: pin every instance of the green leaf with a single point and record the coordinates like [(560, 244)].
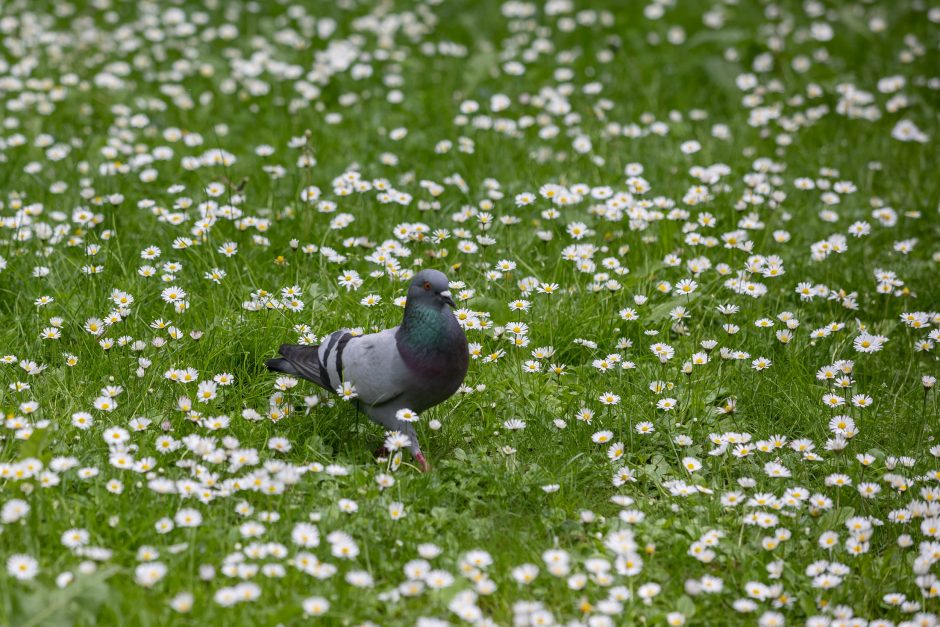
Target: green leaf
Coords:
[(76, 603), (661, 311), (686, 606)]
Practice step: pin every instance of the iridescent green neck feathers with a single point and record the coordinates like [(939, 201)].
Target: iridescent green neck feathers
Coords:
[(424, 327)]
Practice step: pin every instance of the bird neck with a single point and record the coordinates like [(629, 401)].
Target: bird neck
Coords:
[(424, 327)]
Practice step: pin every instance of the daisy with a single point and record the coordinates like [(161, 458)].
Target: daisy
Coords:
[(609, 398), (691, 464), (22, 567), (666, 404)]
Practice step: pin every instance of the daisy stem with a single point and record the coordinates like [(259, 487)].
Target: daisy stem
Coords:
[(923, 424)]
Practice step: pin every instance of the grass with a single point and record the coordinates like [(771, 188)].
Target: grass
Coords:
[(61, 75)]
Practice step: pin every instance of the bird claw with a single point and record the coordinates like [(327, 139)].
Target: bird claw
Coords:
[(422, 462)]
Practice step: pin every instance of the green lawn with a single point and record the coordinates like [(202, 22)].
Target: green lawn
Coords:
[(694, 246)]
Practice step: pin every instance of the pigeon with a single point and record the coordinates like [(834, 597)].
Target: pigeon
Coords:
[(416, 365)]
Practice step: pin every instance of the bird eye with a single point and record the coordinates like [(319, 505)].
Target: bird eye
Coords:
[(427, 285)]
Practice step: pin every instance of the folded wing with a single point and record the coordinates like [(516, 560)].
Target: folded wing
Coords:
[(374, 366)]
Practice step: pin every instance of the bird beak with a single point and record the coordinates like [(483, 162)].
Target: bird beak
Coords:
[(446, 297)]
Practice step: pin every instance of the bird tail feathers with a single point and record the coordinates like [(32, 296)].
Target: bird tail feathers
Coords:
[(280, 365), (303, 361)]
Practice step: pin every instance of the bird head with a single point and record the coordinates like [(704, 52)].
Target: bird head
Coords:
[(430, 287)]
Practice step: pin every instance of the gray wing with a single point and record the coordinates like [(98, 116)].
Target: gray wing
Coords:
[(371, 363)]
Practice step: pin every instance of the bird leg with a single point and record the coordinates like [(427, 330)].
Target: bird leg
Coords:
[(358, 428), (422, 462)]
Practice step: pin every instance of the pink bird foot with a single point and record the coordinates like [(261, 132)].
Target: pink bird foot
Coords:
[(422, 462)]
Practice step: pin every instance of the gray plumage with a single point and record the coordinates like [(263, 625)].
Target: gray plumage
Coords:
[(416, 365)]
